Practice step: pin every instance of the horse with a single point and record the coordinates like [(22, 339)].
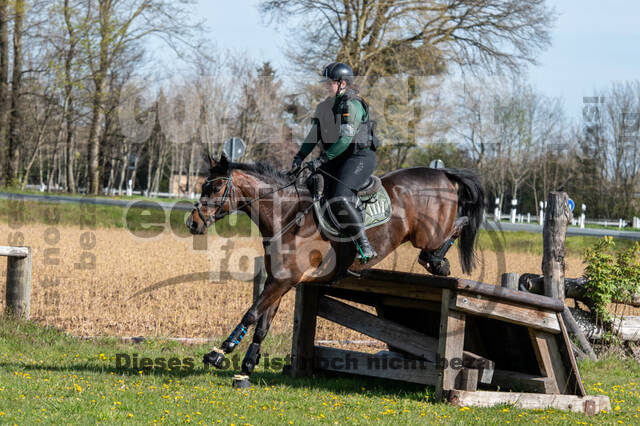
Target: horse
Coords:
[(425, 204)]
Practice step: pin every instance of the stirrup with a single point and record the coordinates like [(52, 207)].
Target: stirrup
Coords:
[(361, 256)]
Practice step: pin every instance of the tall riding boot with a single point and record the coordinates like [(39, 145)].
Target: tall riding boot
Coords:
[(351, 220)]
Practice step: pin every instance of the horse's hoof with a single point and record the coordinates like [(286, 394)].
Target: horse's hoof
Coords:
[(228, 346), (214, 358), (241, 381)]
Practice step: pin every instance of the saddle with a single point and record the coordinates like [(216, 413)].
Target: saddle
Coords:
[(373, 202)]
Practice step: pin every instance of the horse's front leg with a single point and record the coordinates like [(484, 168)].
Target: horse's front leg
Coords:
[(252, 357), (273, 291)]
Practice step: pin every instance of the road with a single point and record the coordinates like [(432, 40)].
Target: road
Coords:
[(188, 205)]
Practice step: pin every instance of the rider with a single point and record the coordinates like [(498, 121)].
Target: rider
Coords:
[(341, 122)]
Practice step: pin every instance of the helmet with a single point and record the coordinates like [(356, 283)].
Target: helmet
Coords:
[(338, 71)]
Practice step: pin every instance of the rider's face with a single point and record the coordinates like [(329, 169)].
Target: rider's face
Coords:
[(332, 87)]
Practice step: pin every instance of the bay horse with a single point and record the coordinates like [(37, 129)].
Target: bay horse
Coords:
[(425, 205)]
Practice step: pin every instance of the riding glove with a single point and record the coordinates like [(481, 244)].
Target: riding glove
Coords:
[(316, 163)]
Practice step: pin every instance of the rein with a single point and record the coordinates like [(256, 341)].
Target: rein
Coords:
[(219, 213)]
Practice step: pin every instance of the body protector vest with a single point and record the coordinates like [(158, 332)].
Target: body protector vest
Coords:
[(333, 113)]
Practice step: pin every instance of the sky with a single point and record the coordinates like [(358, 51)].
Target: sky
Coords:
[(594, 43)]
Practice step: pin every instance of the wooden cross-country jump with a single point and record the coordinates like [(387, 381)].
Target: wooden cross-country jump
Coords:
[(455, 334)]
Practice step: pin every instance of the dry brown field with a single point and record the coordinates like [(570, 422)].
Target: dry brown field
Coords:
[(98, 301)]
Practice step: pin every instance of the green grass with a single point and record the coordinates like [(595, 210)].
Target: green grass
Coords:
[(46, 376)]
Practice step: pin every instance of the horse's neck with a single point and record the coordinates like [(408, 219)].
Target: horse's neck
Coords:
[(270, 213)]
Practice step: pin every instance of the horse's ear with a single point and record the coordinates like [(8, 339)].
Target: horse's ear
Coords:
[(211, 161), (223, 162)]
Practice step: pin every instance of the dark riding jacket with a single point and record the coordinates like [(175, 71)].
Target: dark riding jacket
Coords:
[(336, 123)]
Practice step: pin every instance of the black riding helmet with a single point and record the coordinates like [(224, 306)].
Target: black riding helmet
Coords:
[(337, 71)]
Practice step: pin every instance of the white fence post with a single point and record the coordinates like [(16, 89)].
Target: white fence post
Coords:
[(541, 216), (497, 214), (514, 203)]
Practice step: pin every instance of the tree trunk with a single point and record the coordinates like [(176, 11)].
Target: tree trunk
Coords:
[(15, 123), (97, 117), (68, 91), (4, 82)]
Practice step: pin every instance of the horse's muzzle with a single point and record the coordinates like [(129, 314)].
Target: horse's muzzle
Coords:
[(193, 226)]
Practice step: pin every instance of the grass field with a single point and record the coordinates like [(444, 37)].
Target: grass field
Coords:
[(48, 377)]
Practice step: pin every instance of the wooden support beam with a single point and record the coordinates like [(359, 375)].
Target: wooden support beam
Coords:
[(385, 366), (396, 335), (510, 312), (450, 344), (304, 330), (412, 291), (523, 382), (549, 359), (575, 381), (469, 379), (589, 405)]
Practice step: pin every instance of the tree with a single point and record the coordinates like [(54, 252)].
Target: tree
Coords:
[(118, 25), (15, 120), (391, 37), (4, 79)]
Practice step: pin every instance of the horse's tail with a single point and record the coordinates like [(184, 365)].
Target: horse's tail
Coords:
[(471, 203)]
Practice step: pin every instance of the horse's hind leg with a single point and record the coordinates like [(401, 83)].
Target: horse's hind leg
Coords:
[(435, 261), (252, 358)]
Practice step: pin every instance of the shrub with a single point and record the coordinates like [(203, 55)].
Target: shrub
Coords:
[(610, 275)]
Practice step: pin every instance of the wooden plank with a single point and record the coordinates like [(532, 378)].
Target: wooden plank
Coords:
[(523, 382), (403, 302), (589, 405), (14, 251), (421, 286), (574, 372), (399, 336), (383, 366), (508, 295), (549, 359), (412, 291), (304, 330), (506, 311), (484, 366), (450, 344), (469, 380)]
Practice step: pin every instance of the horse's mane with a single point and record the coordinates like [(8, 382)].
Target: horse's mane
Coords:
[(266, 171)]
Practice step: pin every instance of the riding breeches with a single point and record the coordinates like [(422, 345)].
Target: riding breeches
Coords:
[(343, 177)]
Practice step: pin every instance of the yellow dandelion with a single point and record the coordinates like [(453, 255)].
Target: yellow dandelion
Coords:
[(464, 408)]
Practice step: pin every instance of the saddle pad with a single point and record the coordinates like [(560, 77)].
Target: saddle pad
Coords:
[(377, 210)]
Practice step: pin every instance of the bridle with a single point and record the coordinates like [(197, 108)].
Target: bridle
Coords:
[(219, 213), (230, 194)]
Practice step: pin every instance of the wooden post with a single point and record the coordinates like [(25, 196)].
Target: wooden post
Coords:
[(510, 280), (259, 277), (304, 330), (450, 345), (18, 292), (557, 218)]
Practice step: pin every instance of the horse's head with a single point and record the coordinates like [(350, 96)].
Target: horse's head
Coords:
[(217, 198)]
